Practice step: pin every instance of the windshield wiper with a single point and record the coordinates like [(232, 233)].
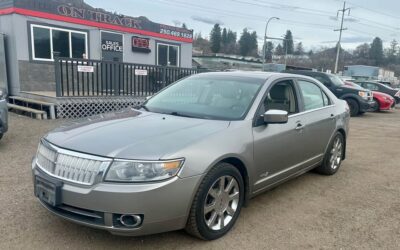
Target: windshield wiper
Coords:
[(181, 115)]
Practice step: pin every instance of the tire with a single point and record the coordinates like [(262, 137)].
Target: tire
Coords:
[(328, 167), (354, 107), (209, 193), (376, 106)]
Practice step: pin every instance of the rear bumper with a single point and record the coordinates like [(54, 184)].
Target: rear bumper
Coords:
[(163, 206)]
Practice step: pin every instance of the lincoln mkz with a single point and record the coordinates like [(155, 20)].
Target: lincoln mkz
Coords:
[(192, 155)]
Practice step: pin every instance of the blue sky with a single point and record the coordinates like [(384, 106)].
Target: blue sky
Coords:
[(312, 22)]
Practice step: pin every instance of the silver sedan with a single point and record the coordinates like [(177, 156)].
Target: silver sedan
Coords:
[(192, 155)]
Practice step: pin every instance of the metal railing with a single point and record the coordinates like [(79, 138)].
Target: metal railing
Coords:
[(91, 78)]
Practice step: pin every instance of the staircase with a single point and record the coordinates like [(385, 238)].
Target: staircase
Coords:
[(34, 108)]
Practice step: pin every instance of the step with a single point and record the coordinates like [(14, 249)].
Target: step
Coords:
[(33, 101), (39, 114)]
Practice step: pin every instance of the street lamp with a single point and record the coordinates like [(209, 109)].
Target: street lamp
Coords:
[(265, 40)]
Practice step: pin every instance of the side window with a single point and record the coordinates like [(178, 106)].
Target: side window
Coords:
[(323, 80), (313, 96), (372, 86), (327, 101), (282, 96)]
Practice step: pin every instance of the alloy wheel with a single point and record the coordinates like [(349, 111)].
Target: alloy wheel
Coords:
[(221, 202), (336, 153)]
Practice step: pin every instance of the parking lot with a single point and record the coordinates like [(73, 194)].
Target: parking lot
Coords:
[(359, 207)]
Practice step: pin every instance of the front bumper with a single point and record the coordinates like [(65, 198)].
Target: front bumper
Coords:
[(366, 105), (163, 206)]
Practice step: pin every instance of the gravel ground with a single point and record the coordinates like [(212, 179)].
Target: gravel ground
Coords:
[(359, 207)]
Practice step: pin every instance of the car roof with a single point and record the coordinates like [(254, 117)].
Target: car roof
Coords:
[(251, 74)]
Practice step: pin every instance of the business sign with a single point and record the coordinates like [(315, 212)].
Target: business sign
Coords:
[(140, 44), (86, 69), (141, 72), (77, 11), (114, 46)]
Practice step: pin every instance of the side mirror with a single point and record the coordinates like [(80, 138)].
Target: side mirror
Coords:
[(274, 116)]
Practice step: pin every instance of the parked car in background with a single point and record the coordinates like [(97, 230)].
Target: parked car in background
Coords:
[(359, 101), (382, 101), (376, 86), (192, 155), (3, 113)]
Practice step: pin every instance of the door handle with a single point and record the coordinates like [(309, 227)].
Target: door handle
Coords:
[(299, 126)]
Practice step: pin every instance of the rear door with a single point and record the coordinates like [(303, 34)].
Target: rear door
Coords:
[(319, 118)]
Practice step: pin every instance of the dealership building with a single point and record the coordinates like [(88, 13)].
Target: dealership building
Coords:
[(39, 32)]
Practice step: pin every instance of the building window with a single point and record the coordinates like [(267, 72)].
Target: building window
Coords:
[(167, 55), (46, 40)]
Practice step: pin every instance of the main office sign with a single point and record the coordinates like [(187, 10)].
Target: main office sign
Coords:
[(79, 10)]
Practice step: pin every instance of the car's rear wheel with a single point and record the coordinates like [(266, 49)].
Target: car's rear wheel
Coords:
[(217, 203), (354, 107), (333, 157), (376, 105)]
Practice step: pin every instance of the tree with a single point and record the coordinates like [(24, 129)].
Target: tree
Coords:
[(376, 51), (299, 49), (224, 37), (215, 39), (231, 36), (231, 46), (392, 51), (288, 42), (201, 44), (279, 50), (248, 43), (269, 48)]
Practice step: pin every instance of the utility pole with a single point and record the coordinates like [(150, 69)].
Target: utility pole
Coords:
[(344, 10)]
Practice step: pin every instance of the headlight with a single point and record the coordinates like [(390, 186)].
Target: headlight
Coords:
[(142, 171), (363, 94)]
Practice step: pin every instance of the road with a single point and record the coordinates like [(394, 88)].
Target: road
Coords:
[(359, 207)]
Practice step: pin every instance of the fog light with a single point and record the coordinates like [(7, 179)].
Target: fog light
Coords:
[(128, 220)]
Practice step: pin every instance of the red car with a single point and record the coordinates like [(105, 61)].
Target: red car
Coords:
[(382, 101)]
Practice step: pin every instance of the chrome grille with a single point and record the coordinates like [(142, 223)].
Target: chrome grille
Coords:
[(70, 166)]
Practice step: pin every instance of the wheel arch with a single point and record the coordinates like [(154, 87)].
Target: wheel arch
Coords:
[(343, 132), (239, 164)]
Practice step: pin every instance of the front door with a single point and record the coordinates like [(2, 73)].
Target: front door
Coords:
[(278, 148), (112, 46)]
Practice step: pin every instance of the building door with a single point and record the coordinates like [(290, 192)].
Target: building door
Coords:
[(112, 46)]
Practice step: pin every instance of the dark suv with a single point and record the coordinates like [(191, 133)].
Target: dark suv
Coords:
[(359, 100)]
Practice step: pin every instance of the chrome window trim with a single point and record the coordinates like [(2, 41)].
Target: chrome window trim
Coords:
[(311, 110)]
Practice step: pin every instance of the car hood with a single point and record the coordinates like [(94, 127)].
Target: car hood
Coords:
[(132, 134)]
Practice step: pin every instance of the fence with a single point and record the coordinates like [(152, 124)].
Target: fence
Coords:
[(91, 78)]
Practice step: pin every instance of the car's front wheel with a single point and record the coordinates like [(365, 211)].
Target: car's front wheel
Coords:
[(217, 203), (354, 107)]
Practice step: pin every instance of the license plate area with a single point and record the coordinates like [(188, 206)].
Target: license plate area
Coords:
[(47, 191)]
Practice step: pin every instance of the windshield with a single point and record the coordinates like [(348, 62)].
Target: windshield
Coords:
[(336, 80), (207, 97)]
